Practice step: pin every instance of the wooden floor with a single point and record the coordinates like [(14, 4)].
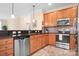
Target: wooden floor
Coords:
[(53, 51)]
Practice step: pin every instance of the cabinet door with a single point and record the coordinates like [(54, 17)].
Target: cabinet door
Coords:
[(47, 40), (32, 42), (46, 20), (72, 41), (2, 53), (52, 18), (60, 14), (9, 52), (44, 39), (9, 43), (72, 12), (9, 46), (37, 42), (40, 41), (2, 50), (52, 39)]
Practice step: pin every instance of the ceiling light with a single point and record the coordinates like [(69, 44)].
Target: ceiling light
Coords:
[(12, 14), (33, 19), (49, 3)]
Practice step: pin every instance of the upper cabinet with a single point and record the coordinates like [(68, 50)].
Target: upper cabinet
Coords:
[(61, 14), (46, 20), (53, 18), (67, 13), (50, 19), (72, 12)]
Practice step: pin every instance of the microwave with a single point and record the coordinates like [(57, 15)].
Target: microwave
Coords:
[(63, 21)]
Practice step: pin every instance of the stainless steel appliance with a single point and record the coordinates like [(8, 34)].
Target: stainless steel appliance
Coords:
[(63, 39), (65, 21), (21, 43)]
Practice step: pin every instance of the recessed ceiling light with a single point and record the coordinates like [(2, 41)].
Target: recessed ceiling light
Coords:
[(49, 3)]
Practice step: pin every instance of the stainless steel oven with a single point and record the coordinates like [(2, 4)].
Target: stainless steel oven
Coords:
[(62, 40), (65, 38)]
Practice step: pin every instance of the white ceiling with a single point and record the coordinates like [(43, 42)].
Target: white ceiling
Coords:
[(22, 9)]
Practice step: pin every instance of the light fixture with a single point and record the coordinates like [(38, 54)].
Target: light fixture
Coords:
[(33, 14), (12, 11), (12, 16), (33, 17), (49, 4)]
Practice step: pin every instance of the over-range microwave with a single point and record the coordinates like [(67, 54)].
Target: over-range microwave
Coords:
[(65, 21)]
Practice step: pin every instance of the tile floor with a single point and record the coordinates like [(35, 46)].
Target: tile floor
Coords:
[(53, 51)]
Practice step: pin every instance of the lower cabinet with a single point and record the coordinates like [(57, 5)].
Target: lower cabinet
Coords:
[(32, 44), (37, 42), (6, 47), (72, 41), (52, 39)]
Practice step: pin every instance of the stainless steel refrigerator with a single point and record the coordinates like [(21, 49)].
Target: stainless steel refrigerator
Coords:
[(21, 45)]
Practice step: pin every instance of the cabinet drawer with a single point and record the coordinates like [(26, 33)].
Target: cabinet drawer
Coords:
[(2, 42), (9, 51), (9, 41), (2, 48), (2, 53), (9, 46)]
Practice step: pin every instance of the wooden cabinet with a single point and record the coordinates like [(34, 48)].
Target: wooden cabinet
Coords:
[(37, 42), (46, 20), (46, 38), (40, 40), (9, 52), (53, 18), (32, 44), (61, 14), (50, 19), (2, 48), (52, 39), (72, 12), (6, 47), (67, 13), (72, 41)]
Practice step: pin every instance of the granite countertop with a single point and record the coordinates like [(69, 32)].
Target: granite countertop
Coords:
[(38, 33), (41, 33), (7, 37)]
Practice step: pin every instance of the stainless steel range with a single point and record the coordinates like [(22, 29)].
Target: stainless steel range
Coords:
[(63, 39)]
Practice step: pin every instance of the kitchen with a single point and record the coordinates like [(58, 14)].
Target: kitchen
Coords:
[(47, 30)]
